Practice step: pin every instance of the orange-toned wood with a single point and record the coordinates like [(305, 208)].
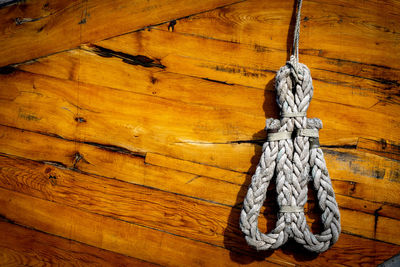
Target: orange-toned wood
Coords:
[(37, 28), (158, 171), (146, 243), (20, 246), (198, 219), (329, 29), (53, 106), (138, 137), (110, 234)]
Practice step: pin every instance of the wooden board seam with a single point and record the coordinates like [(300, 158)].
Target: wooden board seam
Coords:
[(7, 220), (113, 218), (237, 207)]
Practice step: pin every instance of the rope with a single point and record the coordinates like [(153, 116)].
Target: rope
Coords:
[(292, 155), (295, 50)]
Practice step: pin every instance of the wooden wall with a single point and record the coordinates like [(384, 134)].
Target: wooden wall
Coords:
[(129, 130)]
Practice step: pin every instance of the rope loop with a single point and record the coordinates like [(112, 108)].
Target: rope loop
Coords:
[(292, 155)]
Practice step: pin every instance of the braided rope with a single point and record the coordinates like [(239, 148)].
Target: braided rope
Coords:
[(292, 160)]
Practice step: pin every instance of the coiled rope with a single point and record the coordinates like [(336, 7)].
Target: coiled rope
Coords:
[(292, 154)]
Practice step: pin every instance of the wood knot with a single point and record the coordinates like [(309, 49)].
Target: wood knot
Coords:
[(171, 25), (80, 119), (53, 179)]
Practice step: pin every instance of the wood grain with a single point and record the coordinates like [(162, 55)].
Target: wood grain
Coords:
[(331, 30), (20, 246), (194, 126), (37, 28), (114, 235), (162, 46), (189, 178), (242, 64), (351, 176), (192, 218), (117, 235), (129, 131), (50, 109)]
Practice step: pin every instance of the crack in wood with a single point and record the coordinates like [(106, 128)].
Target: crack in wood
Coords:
[(216, 81), (381, 81), (111, 148), (141, 60), (171, 25), (191, 180), (77, 158), (376, 215), (7, 69), (118, 149)]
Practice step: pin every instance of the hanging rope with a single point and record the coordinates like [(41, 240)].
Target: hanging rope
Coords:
[(292, 154)]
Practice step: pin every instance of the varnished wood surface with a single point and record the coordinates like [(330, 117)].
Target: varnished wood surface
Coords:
[(21, 246), (133, 141)]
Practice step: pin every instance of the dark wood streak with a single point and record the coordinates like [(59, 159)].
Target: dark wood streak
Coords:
[(126, 58)]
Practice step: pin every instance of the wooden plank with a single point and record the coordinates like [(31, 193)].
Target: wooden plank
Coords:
[(195, 126), (242, 64), (37, 28), (196, 168), (20, 246), (224, 186), (190, 178), (155, 81), (114, 235), (370, 178), (381, 147), (343, 31), (176, 214), (112, 71), (49, 107), (191, 122), (120, 236), (98, 160), (157, 209)]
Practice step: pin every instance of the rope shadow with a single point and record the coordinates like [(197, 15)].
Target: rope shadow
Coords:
[(233, 236)]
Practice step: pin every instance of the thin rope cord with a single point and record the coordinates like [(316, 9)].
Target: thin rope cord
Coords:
[(292, 155), (295, 49)]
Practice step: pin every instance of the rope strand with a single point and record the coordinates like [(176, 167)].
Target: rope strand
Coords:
[(292, 159), (295, 49)]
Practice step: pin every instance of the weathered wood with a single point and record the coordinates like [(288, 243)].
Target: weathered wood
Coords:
[(351, 179), (180, 215), (120, 236), (49, 108), (53, 107), (153, 80), (37, 28), (382, 147), (190, 178), (20, 246), (143, 144), (242, 64), (114, 235), (344, 31)]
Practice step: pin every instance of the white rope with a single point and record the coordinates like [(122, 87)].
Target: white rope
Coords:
[(292, 159), (291, 209), (279, 136), (293, 114), (308, 132)]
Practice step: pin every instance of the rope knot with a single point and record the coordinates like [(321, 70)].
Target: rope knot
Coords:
[(292, 154)]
